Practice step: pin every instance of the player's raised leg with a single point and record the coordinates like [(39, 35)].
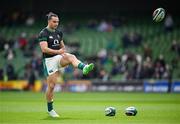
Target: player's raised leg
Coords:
[(71, 59), (51, 81)]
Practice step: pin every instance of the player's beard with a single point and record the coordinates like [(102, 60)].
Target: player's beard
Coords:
[(54, 27)]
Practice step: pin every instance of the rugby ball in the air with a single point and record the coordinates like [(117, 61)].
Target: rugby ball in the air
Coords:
[(159, 14), (110, 111), (131, 111)]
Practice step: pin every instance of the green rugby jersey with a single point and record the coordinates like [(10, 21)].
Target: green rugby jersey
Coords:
[(53, 39)]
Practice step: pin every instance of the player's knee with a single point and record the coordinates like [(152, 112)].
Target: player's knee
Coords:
[(52, 85), (66, 56), (72, 57), (69, 57)]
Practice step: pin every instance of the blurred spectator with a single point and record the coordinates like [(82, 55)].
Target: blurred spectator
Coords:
[(131, 39), (175, 47), (117, 66), (138, 66), (36, 64), (9, 69), (9, 52), (168, 23), (105, 26), (159, 67), (147, 69), (167, 73), (6, 46), (160, 60), (31, 77), (116, 69), (22, 41), (102, 55), (147, 51), (132, 63), (11, 43), (33, 42), (30, 20), (30, 47), (103, 75)]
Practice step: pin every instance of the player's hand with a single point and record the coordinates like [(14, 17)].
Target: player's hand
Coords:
[(61, 51)]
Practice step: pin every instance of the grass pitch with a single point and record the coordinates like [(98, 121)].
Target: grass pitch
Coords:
[(88, 108)]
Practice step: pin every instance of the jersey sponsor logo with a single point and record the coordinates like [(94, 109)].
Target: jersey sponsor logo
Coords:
[(55, 42)]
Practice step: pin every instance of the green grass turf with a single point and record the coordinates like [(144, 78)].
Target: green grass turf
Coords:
[(88, 108)]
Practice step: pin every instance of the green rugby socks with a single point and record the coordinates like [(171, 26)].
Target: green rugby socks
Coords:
[(81, 65), (50, 106)]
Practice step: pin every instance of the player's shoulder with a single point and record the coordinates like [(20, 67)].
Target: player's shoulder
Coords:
[(59, 32), (44, 30)]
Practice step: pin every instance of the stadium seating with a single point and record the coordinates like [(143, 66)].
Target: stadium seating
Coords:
[(153, 35)]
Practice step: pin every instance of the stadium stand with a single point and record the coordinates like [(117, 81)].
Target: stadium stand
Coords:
[(152, 35)]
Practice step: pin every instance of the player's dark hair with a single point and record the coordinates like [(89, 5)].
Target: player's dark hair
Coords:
[(50, 15)]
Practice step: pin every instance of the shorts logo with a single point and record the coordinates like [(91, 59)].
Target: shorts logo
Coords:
[(50, 71)]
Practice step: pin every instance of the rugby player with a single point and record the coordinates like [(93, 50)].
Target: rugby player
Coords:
[(56, 57)]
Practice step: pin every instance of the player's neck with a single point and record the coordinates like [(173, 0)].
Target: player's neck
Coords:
[(50, 29)]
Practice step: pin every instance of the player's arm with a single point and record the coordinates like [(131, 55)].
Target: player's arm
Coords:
[(45, 49), (62, 44)]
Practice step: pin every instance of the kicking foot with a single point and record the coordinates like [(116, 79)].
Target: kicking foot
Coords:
[(88, 68), (53, 114)]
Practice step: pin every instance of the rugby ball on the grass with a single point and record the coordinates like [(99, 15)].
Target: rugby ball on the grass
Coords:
[(110, 111), (131, 111), (159, 14)]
